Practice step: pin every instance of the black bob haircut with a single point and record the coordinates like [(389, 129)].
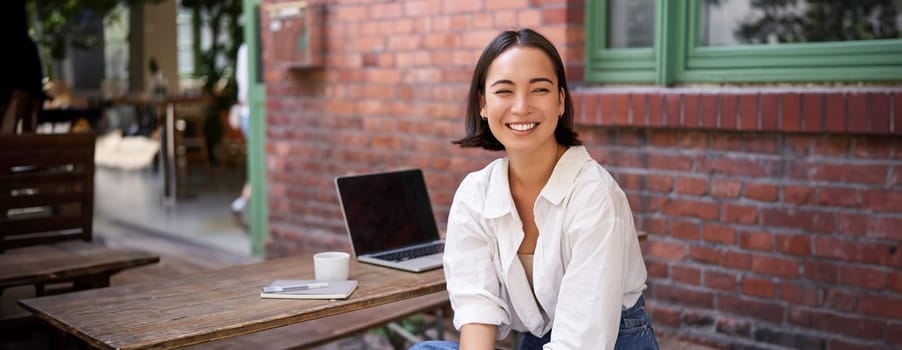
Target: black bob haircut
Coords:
[(478, 132)]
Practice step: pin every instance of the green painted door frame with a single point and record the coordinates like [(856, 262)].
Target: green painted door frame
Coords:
[(258, 214)]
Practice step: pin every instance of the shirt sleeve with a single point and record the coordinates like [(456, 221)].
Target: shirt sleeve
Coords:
[(473, 285), (591, 292)]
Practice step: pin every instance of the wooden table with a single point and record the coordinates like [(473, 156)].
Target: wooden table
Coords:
[(165, 109), (84, 264), (218, 305)]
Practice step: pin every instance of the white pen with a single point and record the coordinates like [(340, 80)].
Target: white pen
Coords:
[(295, 287)]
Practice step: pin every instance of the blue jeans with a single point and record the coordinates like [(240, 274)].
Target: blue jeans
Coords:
[(636, 333)]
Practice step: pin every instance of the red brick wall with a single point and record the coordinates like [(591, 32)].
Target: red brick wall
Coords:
[(773, 214)]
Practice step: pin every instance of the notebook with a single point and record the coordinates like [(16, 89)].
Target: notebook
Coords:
[(390, 221), (334, 290)]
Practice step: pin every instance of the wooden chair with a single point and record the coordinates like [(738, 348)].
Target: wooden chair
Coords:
[(46, 215)]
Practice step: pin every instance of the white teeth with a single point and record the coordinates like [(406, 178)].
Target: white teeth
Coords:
[(522, 127)]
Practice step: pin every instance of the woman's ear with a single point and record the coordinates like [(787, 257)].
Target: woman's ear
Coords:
[(482, 112), (561, 106)]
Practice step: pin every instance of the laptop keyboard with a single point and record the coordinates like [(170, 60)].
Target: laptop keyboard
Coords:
[(411, 253)]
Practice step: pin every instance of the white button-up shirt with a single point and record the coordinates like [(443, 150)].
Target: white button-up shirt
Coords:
[(587, 263)]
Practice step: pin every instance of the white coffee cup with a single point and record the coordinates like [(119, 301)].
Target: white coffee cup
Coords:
[(331, 266)]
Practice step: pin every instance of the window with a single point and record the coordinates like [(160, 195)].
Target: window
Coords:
[(739, 41)]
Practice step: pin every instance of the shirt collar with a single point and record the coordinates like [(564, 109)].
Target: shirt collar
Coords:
[(498, 197)]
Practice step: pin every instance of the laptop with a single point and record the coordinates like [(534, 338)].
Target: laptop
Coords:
[(390, 221)]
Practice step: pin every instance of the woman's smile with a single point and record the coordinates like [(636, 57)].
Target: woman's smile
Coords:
[(522, 127)]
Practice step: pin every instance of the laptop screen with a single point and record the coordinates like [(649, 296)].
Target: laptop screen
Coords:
[(385, 211)]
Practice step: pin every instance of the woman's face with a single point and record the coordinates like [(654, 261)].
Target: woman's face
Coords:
[(522, 100)]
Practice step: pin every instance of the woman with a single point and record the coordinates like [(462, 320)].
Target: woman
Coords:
[(541, 241)]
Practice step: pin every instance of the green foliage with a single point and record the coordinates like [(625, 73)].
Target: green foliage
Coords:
[(61, 21)]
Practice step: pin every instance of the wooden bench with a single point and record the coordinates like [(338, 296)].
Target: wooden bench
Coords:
[(318, 332), (46, 215)]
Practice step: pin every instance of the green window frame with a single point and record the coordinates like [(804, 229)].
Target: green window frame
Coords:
[(676, 56)]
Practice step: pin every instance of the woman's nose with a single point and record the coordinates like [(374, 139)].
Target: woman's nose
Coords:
[(521, 104)]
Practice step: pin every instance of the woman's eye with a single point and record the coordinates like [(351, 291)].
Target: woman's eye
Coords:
[(541, 91), (502, 92)]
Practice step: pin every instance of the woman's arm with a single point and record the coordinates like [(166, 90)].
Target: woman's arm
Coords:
[(477, 336)]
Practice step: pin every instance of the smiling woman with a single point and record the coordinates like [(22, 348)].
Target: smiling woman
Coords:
[(541, 241)]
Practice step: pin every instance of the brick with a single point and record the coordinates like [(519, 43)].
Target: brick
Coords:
[(860, 173), (794, 244), (761, 143), (855, 251), (764, 192), (831, 146), (800, 294), (799, 194), (748, 112), (841, 324), (776, 266), (637, 110), (672, 110), (770, 119), (837, 197), (880, 305), (872, 147), (667, 250), (788, 337), (759, 287), (660, 160), (729, 112), (684, 230), (684, 296), (621, 109), (767, 310), (840, 300), (606, 115), (813, 112), (719, 257), (664, 315), (739, 166), (725, 188), (835, 112), (803, 219), (461, 7), (882, 201), (708, 111), (739, 213), (756, 240), (655, 110), (858, 116), (846, 345), (420, 8), (693, 139), (590, 113), (820, 271), (656, 269), (726, 142), (694, 318), (719, 234), (790, 112), (660, 183), (691, 103), (720, 280), (894, 334), (733, 327), (686, 275), (691, 208), (863, 277), (880, 112), (897, 114)]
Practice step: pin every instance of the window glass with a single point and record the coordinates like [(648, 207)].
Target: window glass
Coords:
[(631, 23), (770, 22)]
